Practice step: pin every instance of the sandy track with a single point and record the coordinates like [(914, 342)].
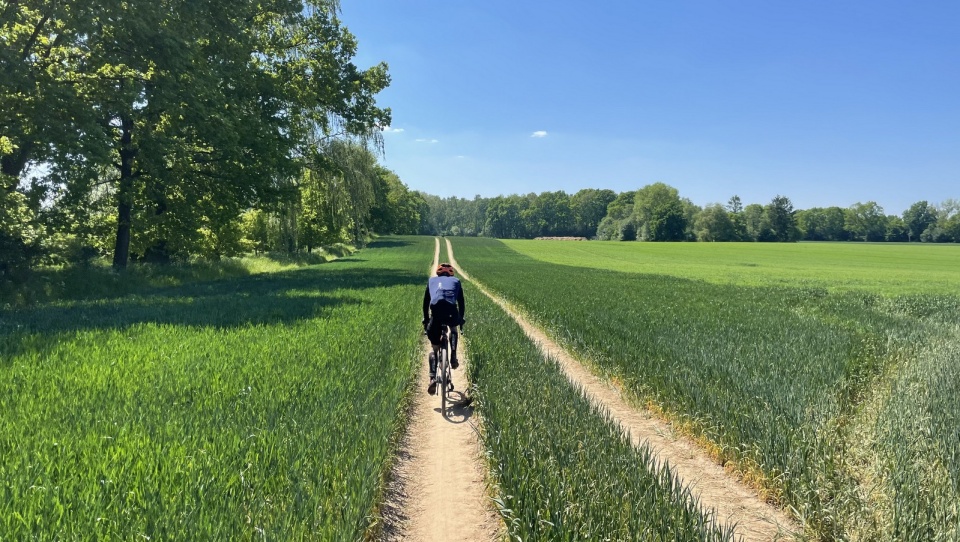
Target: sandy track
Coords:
[(438, 489), (733, 501)]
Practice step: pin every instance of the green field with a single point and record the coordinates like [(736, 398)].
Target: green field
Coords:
[(173, 406), (841, 399), (884, 268), (263, 407), (564, 470)]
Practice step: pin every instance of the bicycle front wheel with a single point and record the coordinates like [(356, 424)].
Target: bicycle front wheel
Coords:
[(443, 374)]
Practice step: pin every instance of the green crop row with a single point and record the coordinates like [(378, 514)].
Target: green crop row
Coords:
[(255, 408), (564, 470), (919, 441), (773, 376)]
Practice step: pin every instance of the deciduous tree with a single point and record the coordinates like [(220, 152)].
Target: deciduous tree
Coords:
[(714, 224), (589, 206), (920, 216), (659, 213), (867, 221)]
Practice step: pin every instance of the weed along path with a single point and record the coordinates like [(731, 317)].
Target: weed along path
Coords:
[(734, 502), (438, 490)]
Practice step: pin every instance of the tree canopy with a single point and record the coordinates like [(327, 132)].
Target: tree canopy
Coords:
[(162, 124)]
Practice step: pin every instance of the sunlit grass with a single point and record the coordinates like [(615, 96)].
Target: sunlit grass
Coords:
[(258, 407), (773, 376), (564, 470), (889, 268)]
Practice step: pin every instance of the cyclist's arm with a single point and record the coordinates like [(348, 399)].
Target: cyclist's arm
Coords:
[(460, 304), (426, 303)]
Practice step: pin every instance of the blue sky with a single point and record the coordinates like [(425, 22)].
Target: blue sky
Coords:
[(826, 102)]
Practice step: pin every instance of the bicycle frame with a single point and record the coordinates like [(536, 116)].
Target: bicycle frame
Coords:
[(441, 354)]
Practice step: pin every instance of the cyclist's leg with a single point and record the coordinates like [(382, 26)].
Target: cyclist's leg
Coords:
[(454, 338), (434, 331), (448, 315), (433, 363)]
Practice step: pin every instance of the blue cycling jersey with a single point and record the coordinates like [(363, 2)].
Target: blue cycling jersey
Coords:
[(444, 289)]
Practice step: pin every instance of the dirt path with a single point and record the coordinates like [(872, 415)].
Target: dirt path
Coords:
[(438, 490), (733, 501)]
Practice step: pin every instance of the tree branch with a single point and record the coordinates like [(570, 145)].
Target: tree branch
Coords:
[(33, 38)]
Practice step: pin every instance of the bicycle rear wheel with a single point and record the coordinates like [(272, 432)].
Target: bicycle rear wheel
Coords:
[(443, 376)]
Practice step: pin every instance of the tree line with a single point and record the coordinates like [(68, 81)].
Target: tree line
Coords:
[(657, 212), (167, 129)]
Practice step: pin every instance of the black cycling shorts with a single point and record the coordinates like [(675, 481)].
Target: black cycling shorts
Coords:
[(441, 314)]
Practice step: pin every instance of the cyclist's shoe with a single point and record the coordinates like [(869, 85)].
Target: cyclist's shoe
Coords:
[(432, 388), (454, 362)]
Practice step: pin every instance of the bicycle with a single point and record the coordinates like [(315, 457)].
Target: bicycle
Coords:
[(441, 365)]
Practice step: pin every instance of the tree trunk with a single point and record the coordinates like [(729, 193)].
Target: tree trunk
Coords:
[(121, 251)]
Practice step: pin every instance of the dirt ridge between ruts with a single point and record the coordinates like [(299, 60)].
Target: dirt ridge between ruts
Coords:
[(438, 486), (715, 489)]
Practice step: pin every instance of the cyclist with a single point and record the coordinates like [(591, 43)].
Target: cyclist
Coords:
[(442, 306)]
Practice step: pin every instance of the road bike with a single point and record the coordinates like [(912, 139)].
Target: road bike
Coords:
[(441, 364)]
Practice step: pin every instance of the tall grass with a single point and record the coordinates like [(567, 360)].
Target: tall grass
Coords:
[(262, 407), (565, 471), (772, 376), (919, 443)]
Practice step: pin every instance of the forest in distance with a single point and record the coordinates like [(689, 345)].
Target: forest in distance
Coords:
[(657, 212)]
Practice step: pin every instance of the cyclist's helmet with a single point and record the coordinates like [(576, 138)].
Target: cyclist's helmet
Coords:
[(444, 269)]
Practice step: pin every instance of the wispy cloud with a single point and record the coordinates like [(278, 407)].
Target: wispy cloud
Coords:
[(539, 133), (422, 140), (391, 130)]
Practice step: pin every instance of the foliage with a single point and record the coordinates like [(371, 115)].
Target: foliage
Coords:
[(657, 211), (822, 224), (659, 214), (896, 230), (714, 224), (757, 229), (866, 221), (504, 218), (185, 130), (396, 209), (920, 216), (589, 206), (549, 213), (779, 220), (20, 237), (234, 409)]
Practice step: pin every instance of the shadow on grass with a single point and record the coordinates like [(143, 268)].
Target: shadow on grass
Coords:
[(284, 258), (389, 243), (275, 298)]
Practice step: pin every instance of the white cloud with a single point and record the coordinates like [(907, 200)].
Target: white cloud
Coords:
[(391, 130), (421, 140), (539, 133)]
